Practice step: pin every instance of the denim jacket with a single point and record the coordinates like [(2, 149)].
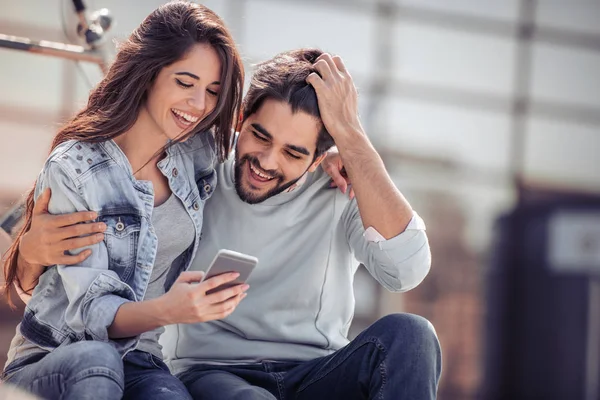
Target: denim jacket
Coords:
[(74, 303)]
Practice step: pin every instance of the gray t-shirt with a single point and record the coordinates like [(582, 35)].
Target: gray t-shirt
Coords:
[(175, 232)]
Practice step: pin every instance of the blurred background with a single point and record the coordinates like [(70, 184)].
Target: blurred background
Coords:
[(487, 115)]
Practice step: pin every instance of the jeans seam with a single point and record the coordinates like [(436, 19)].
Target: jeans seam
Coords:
[(280, 385), (382, 371), (97, 371), (61, 381), (372, 340)]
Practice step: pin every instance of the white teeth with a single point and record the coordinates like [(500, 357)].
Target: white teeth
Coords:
[(185, 116), (259, 173)]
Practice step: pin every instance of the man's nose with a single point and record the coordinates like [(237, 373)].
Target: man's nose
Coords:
[(268, 160)]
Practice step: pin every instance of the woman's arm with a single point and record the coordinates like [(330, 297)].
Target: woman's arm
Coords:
[(186, 302)]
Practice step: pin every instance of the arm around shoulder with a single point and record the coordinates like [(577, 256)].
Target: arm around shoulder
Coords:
[(95, 293)]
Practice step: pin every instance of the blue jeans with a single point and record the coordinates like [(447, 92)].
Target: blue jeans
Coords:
[(95, 370), (398, 357)]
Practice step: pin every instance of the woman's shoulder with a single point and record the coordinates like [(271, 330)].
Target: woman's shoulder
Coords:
[(76, 157), (199, 141), (200, 149)]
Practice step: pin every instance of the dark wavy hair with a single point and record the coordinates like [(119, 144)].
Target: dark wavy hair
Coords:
[(164, 37), (283, 78)]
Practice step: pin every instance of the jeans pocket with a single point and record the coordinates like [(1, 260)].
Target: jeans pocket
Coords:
[(157, 362)]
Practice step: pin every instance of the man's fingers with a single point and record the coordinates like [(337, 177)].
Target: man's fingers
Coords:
[(324, 69), (316, 81), (41, 204), (351, 193), (337, 60), (338, 179), (74, 231), (329, 60), (77, 243), (76, 259), (190, 277), (74, 218)]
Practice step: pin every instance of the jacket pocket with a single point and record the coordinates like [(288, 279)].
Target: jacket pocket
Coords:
[(206, 181), (121, 236)]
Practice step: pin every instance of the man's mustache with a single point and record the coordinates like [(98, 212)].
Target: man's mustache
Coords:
[(254, 162)]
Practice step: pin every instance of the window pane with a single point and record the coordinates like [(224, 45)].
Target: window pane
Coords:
[(273, 27), (563, 154), (502, 10), (581, 16), (470, 137), (566, 75), (453, 59)]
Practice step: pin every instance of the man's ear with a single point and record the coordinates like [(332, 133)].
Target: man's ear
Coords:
[(317, 162)]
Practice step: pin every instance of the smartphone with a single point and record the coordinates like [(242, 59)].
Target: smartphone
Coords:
[(230, 261)]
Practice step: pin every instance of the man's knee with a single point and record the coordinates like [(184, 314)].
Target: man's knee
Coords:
[(412, 332)]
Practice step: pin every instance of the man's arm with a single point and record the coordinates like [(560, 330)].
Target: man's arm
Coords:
[(397, 254), (28, 276), (49, 237), (381, 204)]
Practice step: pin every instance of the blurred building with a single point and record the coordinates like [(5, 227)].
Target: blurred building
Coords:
[(470, 103)]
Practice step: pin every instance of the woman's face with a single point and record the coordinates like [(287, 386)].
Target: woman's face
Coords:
[(185, 92)]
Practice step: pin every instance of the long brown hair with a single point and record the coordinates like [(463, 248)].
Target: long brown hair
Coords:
[(164, 37)]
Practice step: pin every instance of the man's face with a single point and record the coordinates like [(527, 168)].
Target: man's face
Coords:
[(275, 148)]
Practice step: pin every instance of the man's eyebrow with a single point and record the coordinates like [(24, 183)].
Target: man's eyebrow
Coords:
[(196, 77), (262, 130), (298, 149)]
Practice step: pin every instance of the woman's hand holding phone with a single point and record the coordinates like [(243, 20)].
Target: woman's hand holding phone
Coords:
[(187, 302)]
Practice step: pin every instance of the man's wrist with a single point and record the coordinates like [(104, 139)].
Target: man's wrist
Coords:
[(347, 131), (23, 257), (355, 147)]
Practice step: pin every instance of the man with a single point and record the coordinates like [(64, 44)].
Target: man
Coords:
[(287, 339)]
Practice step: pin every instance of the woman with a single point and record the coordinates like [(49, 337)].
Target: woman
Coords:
[(141, 155)]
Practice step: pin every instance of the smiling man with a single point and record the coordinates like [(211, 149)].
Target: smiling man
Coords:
[(288, 338), (257, 180)]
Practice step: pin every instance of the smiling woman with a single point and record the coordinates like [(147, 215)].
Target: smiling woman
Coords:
[(141, 157), (185, 92)]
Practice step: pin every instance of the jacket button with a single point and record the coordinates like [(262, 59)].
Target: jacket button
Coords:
[(196, 206), (119, 226), (207, 188), (175, 172)]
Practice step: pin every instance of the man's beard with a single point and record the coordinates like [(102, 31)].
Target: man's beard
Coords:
[(250, 197)]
